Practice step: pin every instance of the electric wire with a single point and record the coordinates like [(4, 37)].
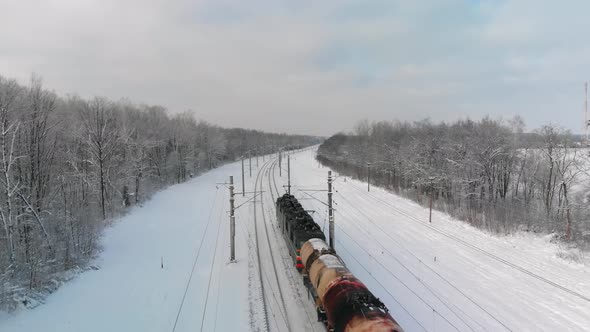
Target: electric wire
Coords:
[(382, 286), (489, 254), (425, 265), (195, 261), (422, 282), (212, 266)]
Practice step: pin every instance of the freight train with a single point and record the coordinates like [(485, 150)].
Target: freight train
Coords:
[(343, 303)]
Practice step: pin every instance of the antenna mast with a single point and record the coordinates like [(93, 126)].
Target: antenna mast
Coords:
[(586, 121)]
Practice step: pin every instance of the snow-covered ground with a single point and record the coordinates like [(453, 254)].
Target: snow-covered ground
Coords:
[(184, 226), (443, 276), (132, 292), (447, 275)]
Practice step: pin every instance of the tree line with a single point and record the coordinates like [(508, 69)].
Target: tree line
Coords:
[(69, 165), (489, 173)]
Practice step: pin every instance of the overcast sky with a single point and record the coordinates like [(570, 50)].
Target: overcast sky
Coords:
[(310, 66)]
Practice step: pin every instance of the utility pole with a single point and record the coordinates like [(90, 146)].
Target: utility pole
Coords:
[(330, 212), (232, 220), (250, 162), (431, 191), (280, 164), (368, 177), (256, 159), (289, 175), (243, 183)]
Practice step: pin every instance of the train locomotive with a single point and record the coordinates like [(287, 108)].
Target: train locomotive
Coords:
[(297, 226), (342, 301)]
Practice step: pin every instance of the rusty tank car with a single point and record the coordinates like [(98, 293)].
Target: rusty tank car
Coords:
[(342, 301)]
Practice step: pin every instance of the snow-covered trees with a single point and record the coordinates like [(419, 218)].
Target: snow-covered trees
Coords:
[(68, 165), (489, 173), (101, 137), (9, 125)]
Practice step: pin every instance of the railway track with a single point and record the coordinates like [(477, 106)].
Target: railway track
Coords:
[(273, 288), (259, 262), (270, 250), (258, 185), (296, 285)]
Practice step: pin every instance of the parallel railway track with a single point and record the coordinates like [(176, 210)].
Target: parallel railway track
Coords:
[(287, 261)]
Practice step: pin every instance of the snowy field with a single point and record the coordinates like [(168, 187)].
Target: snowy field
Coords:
[(444, 276), (182, 234), (447, 276), (132, 292)]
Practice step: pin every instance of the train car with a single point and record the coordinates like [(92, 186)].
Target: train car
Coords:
[(312, 250), (297, 226), (342, 301)]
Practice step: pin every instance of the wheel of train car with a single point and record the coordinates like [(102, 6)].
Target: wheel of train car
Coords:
[(321, 315)]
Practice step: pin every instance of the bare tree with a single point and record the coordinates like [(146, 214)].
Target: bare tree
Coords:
[(9, 92), (67, 164), (475, 166), (101, 136), (568, 167)]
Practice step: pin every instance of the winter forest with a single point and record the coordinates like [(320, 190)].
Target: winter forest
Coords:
[(69, 165), (489, 173)]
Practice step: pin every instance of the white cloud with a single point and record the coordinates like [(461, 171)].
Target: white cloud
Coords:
[(308, 66)]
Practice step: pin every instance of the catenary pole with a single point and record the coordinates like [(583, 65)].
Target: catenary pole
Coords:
[(232, 220), (368, 177), (430, 214), (330, 212), (431, 193), (280, 164), (243, 183), (289, 175)]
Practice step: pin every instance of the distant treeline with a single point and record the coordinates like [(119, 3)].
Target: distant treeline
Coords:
[(68, 165), (488, 173)]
